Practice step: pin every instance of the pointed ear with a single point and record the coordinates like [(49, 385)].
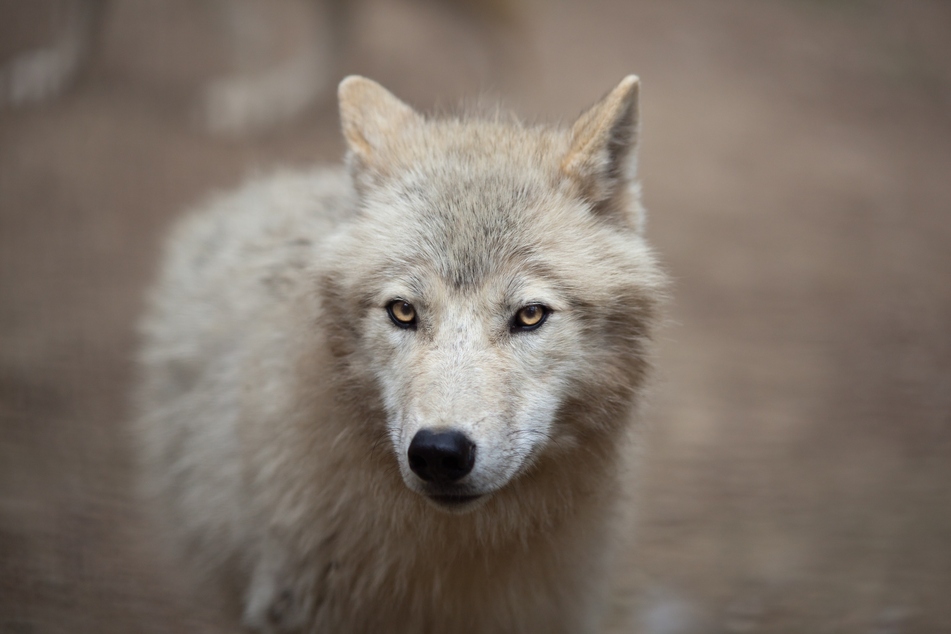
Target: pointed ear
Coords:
[(601, 158), (369, 115)]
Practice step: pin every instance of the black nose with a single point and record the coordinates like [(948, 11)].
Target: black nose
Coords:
[(441, 456)]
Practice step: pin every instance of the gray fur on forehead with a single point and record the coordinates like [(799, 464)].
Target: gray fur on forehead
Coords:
[(473, 200), (470, 194), (453, 146), (467, 231)]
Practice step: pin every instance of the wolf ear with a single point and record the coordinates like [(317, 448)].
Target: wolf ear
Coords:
[(369, 115), (602, 154)]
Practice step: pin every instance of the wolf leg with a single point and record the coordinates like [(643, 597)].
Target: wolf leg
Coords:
[(280, 597)]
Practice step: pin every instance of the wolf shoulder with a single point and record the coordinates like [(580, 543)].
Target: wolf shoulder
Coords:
[(256, 244)]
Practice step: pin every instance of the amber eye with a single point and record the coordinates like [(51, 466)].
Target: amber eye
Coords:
[(402, 313), (530, 317)]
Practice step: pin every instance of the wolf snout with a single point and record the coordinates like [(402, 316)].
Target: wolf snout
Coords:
[(441, 456)]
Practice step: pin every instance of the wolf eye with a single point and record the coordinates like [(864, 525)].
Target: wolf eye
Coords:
[(402, 313), (530, 317)]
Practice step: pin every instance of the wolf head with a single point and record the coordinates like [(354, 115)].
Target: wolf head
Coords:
[(493, 298)]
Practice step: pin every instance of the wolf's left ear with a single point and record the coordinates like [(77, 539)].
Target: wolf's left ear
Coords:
[(371, 116), (602, 153)]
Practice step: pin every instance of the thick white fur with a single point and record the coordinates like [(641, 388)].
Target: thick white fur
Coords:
[(278, 399)]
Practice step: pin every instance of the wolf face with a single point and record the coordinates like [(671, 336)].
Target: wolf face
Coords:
[(494, 279)]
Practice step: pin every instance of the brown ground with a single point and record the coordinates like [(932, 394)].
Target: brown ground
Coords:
[(797, 167)]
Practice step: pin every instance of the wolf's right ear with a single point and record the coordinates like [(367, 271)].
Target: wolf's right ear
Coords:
[(370, 115), (601, 158)]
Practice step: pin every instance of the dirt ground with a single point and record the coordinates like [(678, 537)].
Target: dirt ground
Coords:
[(796, 162)]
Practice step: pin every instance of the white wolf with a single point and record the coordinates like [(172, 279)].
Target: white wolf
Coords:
[(398, 398)]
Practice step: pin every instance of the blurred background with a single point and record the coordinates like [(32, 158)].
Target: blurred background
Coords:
[(796, 161)]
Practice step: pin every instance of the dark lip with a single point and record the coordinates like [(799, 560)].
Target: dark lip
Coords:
[(454, 500)]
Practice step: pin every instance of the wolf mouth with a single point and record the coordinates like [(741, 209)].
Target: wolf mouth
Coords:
[(453, 500)]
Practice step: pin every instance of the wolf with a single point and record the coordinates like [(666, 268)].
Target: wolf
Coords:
[(401, 396)]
